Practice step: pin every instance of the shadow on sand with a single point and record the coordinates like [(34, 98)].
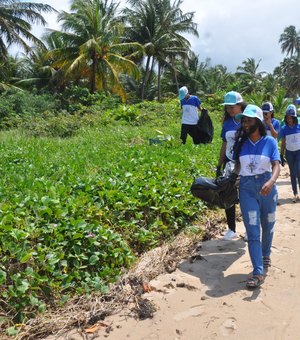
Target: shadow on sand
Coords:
[(215, 257)]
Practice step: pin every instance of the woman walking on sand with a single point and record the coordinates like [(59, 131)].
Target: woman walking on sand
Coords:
[(233, 105), (290, 147), (257, 162), (272, 124)]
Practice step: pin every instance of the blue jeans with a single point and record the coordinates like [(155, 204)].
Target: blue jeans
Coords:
[(258, 212), (293, 159)]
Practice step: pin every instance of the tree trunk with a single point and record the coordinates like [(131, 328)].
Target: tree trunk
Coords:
[(158, 82), (93, 74), (145, 78)]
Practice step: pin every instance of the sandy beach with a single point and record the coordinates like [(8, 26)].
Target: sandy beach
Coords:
[(206, 298)]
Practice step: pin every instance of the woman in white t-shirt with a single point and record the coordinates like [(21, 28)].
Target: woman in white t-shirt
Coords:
[(257, 161), (290, 147), (189, 124)]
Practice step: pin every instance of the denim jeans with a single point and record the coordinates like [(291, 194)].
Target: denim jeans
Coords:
[(293, 159), (258, 214)]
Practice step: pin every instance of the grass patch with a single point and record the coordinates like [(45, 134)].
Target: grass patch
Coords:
[(76, 211)]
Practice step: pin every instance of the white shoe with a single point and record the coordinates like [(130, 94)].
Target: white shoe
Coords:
[(230, 235)]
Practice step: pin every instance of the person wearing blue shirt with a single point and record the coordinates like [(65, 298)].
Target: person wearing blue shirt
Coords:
[(272, 125), (257, 162), (190, 116), (233, 105), (290, 147)]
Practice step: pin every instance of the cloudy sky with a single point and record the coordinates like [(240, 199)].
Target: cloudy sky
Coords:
[(230, 31)]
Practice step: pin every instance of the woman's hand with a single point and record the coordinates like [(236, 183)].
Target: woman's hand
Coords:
[(267, 187), (268, 120)]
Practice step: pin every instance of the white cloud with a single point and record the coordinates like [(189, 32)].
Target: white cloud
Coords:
[(230, 31), (233, 30)]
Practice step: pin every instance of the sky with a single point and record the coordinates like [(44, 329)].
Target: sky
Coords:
[(230, 31)]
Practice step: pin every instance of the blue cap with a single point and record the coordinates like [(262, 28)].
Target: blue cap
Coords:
[(267, 107), (291, 110), (297, 101), (183, 91), (232, 98), (251, 111)]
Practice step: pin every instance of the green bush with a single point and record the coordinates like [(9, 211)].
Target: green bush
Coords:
[(76, 211), (18, 103)]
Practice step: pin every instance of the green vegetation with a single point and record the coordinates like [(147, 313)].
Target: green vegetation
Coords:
[(88, 183), (75, 212)]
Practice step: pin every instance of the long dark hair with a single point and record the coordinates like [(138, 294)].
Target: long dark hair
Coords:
[(241, 137), (295, 120)]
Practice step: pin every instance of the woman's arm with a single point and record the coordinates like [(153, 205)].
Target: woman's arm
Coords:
[(274, 133), (222, 154), (282, 149), (267, 187)]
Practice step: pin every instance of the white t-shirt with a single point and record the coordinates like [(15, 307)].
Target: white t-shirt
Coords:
[(190, 107)]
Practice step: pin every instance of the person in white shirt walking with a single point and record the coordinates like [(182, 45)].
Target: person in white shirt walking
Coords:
[(190, 105)]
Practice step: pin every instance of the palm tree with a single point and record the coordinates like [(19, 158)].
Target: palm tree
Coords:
[(288, 73), (158, 25), (16, 18), (9, 73), (249, 74), (92, 50), (290, 41), (192, 72)]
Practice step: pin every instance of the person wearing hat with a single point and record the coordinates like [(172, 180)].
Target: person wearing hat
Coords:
[(233, 105), (297, 101), (190, 106), (272, 125), (257, 163), (290, 147)]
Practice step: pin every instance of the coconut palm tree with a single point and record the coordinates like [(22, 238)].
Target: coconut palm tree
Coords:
[(9, 73), (250, 77), (92, 50), (192, 72), (158, 25), (16, 18), (290, 41), (288, 73)]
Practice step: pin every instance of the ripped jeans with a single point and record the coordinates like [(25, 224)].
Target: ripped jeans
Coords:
[(258, 214)]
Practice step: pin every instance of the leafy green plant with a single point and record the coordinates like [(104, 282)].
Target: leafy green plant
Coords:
[(76, 211)]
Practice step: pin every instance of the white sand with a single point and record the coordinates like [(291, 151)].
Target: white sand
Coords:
[(220, 306)]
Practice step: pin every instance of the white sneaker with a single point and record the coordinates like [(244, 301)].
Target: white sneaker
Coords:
[(230, 235)]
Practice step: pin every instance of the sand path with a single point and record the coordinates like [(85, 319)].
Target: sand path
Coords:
[(217, 305)]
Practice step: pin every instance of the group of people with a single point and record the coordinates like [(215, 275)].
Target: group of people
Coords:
[(250, 151)]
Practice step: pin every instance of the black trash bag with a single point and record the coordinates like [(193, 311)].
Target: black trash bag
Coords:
[(216, 191), (206, 128)]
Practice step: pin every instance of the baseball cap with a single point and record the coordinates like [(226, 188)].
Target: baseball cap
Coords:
[(297, 101), (291, 110), (251, 111), (232, 98), (183, 91), (267, 107)]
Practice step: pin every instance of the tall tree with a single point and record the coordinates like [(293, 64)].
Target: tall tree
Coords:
[(158, 25), (290, 41), (92, 47), (250, 76), (16, 18), (288, 73)]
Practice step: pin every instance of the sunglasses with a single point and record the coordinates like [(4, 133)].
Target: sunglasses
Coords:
[(265, 113)]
